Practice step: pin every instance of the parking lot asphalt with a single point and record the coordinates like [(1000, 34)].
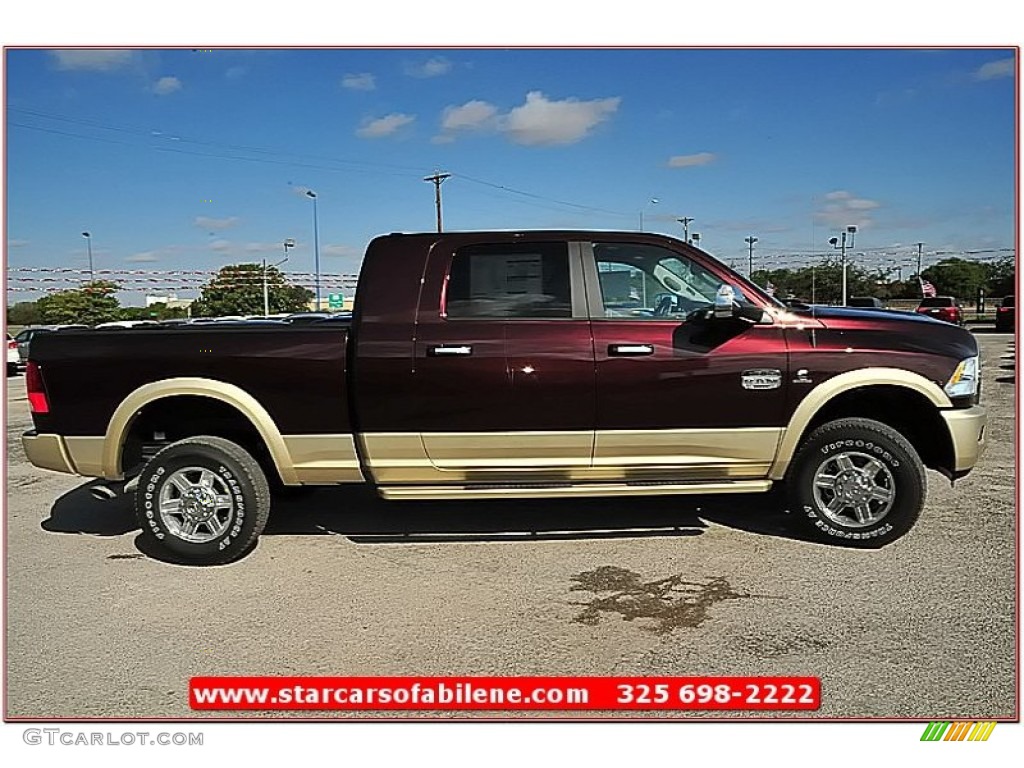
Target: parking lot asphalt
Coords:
[(344, 584)]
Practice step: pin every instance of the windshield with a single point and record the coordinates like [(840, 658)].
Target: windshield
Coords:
[(937, 301)]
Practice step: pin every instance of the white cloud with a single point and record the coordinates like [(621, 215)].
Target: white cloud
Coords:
[(234, 73), (689, 161), (166, 85), (843, 208), (434, 67), (208, 223), (539, 121), (262, 247), (994, 69), (542, 122), (221, 246), (383, 126), (17, 243), (474, 115), (94, 60), (364, 81), (144, 256)]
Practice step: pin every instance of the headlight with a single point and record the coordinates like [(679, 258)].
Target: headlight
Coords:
[(964, 381)]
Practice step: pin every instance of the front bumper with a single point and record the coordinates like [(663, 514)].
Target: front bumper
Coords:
[(48, 452), (967, 432)]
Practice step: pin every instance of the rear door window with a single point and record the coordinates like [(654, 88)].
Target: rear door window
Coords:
[(508, 281)]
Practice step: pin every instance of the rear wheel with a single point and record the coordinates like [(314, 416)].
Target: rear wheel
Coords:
[(203, 499), (856, 482)]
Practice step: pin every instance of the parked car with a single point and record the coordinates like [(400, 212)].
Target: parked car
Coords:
[(24, 337), (1004, 314), (126, 324), (942, 308), (13, 360), (485, 365), (865, 302)]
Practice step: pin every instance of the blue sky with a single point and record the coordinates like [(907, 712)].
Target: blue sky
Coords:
[(187, 160)]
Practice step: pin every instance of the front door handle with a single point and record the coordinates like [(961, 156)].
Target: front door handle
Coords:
[(630, 350), (443, 350)]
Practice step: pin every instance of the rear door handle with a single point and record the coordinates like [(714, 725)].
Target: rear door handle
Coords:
[(630, 350), (443, 350)]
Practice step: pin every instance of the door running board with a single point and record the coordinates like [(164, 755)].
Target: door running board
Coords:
[(539, 491)]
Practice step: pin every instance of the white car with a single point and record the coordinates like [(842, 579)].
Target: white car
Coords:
[(13, 358)]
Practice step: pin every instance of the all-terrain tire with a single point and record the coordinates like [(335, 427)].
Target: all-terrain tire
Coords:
[(204, 500), (856, 482)]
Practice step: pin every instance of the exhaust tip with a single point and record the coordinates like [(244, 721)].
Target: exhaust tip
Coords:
[(103, 492)]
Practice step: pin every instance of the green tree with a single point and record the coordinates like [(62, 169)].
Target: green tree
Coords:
[(238, 290), (24, 313), (91, 304), (1002, 277), (957, 277)]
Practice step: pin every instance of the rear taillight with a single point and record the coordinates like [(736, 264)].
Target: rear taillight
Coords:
[(37, 401), (12, 344)]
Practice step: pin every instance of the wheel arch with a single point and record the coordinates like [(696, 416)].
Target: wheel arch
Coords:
[(872, 393), (221, 392)]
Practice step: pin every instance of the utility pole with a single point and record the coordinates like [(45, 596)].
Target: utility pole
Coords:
[(438, 179), (685, 221), (919, 246), (750, 264)]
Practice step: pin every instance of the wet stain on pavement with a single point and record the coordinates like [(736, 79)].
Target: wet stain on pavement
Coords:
[(671, 602)]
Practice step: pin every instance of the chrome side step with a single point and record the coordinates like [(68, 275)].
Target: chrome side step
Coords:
[(491, 491)]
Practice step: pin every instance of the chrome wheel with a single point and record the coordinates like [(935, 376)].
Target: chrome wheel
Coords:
[(196, 505), (854, 489)]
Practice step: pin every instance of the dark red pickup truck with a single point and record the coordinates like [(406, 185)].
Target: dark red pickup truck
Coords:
[(517, 364)]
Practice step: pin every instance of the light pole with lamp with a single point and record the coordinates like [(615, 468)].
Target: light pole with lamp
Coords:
[(842, 246), (289, 243), (316, 245), (88, 242), (653, 201)]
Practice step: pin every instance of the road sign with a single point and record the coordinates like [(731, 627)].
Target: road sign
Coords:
[(335, 301)]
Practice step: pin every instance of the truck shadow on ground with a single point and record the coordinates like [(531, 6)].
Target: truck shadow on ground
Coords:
[(359, 515)]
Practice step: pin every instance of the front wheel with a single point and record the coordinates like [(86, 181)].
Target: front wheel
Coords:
[(856, 482), (203, 500)]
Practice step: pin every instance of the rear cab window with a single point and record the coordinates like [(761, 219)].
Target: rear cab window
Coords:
[(507, 281)]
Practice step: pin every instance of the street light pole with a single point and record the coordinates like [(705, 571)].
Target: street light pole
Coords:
[(919, 247), (750, 256), (289, 243), (88, 242), (653, 201), (851, 231), (316, 244)]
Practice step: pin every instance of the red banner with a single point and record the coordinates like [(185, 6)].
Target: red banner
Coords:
[(504, 694)]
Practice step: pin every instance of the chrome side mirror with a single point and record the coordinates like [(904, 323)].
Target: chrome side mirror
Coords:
[(725, 302)]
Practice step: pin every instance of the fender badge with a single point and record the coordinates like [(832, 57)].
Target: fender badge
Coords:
[(802, 377), (761, 378)]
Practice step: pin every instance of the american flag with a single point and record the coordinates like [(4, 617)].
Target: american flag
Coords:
[(927, 289)]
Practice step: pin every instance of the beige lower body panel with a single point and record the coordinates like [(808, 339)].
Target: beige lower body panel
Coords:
[(324, 459), (679, 455), (967, 431)]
